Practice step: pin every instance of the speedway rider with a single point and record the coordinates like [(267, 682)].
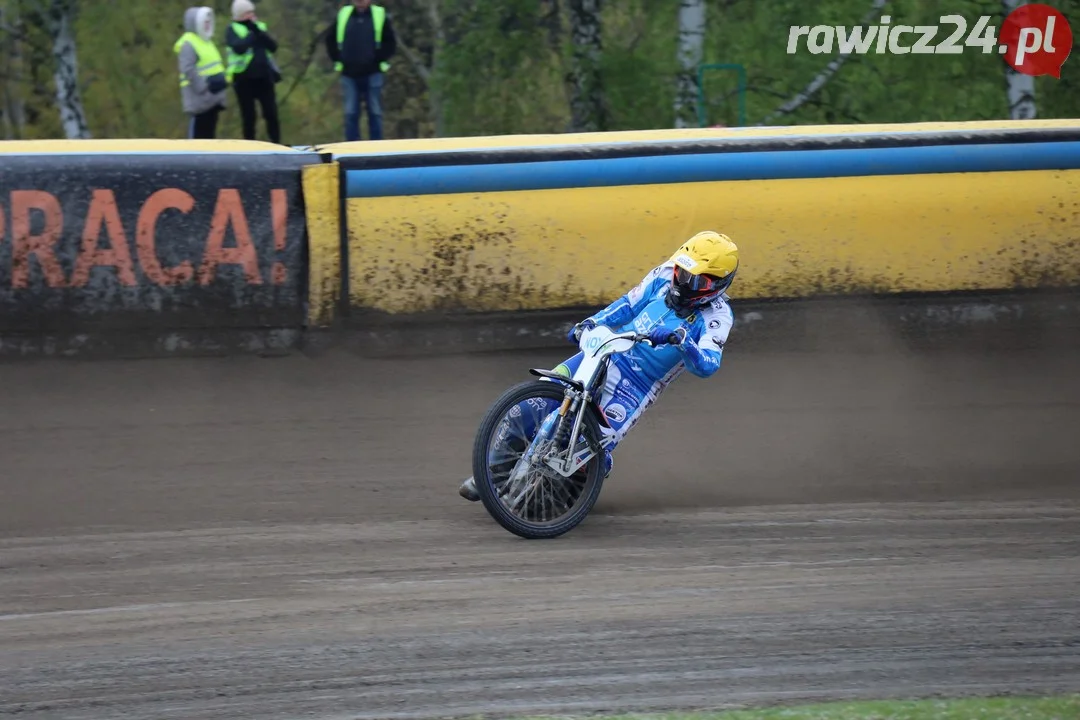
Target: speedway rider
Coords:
[(687, 296)]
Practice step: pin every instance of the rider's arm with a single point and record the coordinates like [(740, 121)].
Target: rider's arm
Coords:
[(703, 356), (702, 361), (627, 306), (614, 314)]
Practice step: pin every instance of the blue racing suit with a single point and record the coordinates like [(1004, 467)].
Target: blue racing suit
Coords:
[(637, 377)]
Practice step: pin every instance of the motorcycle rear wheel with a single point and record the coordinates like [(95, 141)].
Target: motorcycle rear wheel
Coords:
[(501, 439)]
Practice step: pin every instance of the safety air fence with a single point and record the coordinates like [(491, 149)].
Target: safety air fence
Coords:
[(209, 244), (148, 246)]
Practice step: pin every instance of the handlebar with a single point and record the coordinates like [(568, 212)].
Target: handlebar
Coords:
[(672, 339)]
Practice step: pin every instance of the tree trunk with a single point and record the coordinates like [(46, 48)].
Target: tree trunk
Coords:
[(13, 109), (551, 22), (59, 17), (691, 45), (438, 34), (429, 74), (587, 107), (1019, 88)]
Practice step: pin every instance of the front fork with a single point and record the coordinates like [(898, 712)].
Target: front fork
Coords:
[(555, 425)]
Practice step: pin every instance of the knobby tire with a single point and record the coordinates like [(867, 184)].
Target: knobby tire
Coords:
[(482, 474)]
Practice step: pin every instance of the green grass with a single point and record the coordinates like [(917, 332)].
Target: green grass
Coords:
[(1066, 707)]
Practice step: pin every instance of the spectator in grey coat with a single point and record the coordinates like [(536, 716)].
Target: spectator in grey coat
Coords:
[(202, 72)]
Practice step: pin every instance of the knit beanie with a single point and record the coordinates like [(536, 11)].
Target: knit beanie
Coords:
[(241, 8)]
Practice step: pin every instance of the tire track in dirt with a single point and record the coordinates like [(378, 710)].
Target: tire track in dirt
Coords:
[(274, 538)]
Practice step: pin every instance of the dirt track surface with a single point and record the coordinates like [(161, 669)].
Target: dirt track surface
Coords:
[(281, 538)]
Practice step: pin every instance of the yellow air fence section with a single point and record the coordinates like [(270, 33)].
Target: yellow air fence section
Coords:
[(383, 147), (537, 249), (322, 210)]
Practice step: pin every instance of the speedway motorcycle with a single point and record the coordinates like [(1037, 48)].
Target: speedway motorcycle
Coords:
[(538, 458)]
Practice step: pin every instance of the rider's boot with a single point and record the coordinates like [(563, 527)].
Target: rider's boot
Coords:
[(468, 490)]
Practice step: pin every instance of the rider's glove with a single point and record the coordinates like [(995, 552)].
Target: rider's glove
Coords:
[(574, 335), (667, 336)]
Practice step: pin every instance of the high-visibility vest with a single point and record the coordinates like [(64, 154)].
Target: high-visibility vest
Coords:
[(209, 59), (378, 15), (239, 63)]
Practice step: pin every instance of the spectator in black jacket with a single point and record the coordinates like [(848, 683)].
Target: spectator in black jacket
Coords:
[(360, 41), (252, 69)]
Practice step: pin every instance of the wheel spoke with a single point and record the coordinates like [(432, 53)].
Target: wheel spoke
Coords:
[(541, 496)]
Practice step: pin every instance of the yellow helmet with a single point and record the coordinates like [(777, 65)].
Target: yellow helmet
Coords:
[(705, 265)]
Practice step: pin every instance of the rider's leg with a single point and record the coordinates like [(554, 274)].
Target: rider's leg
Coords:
[(623, 401), (568, 367)]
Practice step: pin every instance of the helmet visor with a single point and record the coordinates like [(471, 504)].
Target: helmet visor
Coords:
[(693, 285)]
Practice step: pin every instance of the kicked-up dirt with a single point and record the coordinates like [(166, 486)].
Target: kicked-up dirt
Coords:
[(282, 538)]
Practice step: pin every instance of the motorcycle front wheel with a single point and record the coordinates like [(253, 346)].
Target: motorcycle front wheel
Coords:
[(543, 504)]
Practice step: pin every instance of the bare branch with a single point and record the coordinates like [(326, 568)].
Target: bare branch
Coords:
[(436, 22), (16, 29), (16, 32), (416, 61), (37, 7), (825, 75), (313, 47)]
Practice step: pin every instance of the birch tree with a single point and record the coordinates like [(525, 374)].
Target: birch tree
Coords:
[(588, 111), (1019, 88), (57, 17), (689, 54)]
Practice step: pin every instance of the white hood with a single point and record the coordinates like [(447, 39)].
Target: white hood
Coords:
[(204, 23)]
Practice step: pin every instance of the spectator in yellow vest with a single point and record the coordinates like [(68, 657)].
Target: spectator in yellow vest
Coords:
[(252, 69), (202, 73), (360, 42)]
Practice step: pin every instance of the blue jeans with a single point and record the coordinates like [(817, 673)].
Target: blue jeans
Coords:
[(369, 90)]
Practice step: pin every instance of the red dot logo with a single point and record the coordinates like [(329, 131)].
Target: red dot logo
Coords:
[(1036, 39)]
